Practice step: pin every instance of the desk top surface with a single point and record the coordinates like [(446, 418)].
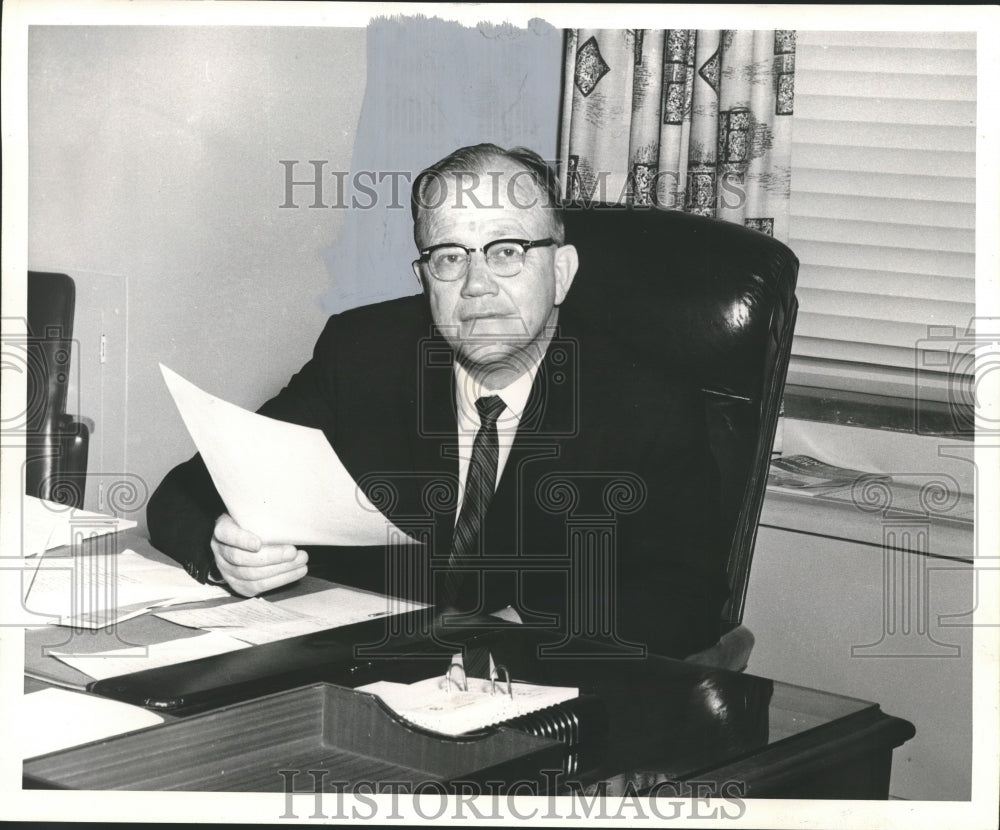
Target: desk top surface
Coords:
[(666, 717)]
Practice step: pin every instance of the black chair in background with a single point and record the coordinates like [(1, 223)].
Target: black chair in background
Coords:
[(716, 302), (57, 444)]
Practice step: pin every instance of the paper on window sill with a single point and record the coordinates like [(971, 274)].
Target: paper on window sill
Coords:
[(104, 664), (281, 481)]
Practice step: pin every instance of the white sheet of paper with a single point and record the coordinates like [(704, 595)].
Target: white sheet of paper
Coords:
[(429, 703), (341, 605), (101, 665), (253, 621), (281, 481), (53, 719), (46, 525), (97, 591)]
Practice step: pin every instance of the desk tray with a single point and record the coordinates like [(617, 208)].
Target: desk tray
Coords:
[(243, 748)]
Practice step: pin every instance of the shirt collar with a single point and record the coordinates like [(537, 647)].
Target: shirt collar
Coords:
[(468, 390)]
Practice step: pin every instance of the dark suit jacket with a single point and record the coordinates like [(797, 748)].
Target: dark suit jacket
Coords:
[(604, 518)]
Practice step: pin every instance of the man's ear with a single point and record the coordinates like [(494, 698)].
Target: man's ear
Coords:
[(566, 263), (415, 265)]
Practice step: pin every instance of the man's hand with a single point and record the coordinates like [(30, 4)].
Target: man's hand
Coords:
[(250, 567)]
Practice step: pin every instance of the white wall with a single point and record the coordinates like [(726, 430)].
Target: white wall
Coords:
[(155, 183), (815, 604), (837, 602)]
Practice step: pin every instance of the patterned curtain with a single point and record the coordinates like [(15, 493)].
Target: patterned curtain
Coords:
[(697, 120)]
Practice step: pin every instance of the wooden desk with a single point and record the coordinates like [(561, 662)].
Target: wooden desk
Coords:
[(673, 727)]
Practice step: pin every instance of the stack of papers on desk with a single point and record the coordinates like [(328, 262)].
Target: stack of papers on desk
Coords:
[(234, 626), (46, 525), (254, 621), (259, 621), (98, 591), (341, 605), (114, 663)]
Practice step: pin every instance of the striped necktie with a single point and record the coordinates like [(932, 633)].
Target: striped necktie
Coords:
[(479, 486)]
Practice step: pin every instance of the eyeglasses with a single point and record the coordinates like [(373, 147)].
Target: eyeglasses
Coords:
[(505, 257)]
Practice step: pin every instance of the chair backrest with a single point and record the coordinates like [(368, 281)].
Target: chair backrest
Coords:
[(51, 308), (56, 451), (715, 302)]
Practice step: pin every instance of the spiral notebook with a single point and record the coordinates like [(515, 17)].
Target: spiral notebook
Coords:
[(441, 706)]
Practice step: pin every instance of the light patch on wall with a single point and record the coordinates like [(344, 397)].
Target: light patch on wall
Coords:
[(432, 86)]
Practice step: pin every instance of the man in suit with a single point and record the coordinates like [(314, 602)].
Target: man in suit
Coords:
[(545, 469)]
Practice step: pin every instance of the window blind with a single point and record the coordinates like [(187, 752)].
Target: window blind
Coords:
[(883, 211)]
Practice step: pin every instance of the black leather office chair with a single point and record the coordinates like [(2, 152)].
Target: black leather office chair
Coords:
[(57, 444), (716, 301)]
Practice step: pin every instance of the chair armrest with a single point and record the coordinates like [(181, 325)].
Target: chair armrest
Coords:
[(67, 474), (732, 652)]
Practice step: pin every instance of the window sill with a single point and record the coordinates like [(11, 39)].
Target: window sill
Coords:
[(927, 535), (884, 412), (941, 467)]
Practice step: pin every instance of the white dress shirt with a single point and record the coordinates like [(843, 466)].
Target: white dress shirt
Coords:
[(467, 392)]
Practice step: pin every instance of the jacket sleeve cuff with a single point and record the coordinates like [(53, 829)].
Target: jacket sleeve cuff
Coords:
[(213, 576)]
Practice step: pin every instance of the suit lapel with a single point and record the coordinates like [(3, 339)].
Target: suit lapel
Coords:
[(547, 423), (434, 453)]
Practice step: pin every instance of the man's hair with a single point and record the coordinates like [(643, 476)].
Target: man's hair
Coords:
[(476, 160)]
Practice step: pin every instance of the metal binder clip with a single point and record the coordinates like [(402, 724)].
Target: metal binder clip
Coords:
[(463, 685), (495, 675)]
